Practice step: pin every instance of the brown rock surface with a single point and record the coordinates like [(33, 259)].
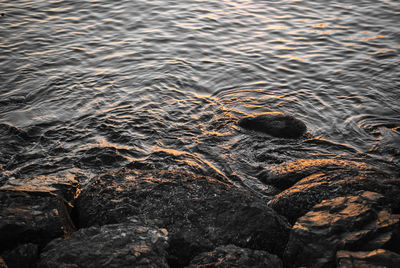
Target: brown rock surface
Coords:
[(355, 222)]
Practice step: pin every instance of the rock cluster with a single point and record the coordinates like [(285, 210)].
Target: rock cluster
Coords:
[(139, 218), (200, 213), (326, 213)]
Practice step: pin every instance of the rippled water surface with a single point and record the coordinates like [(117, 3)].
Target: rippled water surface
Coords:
[(89, 86)]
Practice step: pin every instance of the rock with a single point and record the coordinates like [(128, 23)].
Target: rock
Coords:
[(128, 244), (31, 215), (233, 256), (23, 256), (64, 188), (275, 124), (299, 199), (369, 259), (286, 174), (3, 263), (199, 212), (356, 223)]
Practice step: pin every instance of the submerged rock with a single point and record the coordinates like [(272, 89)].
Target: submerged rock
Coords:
[(31, 215), (356, 223), (200, 213), (276, 124), (369, 259), (128, 244), (233, 256)]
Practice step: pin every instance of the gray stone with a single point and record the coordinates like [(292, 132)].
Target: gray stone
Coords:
[(233, 256), (128, 244), (23, 256)]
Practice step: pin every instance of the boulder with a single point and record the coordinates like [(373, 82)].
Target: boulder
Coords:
[(32, 214), (353, 223), (233, 256), (287, 174), (369, 259), (23, 256), (199, 212), (300, 198), (276, 124), (128, 244)]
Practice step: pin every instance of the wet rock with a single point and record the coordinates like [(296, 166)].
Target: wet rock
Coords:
[(286, 174), (299, 199), (199, 212), (233, 256), (23, 256), (367, 259), (32, 214), (355, 223), (128, 244), (275, 124), (3, 263), (64, 188)]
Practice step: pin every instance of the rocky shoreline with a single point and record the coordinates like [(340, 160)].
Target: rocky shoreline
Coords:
[(326, 213)]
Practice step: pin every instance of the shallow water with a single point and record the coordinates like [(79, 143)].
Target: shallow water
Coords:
[(89, 86)]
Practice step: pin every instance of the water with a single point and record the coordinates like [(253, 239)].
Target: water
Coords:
[(90, 86)]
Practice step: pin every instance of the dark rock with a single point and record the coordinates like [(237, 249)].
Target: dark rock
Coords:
[(299, 199), (356, 223), (32, 215), (275, 124), (199, 212), (233, 256), (286, 174), (128, 244), (64, 188), (3, 263), (368, 259), (23, 256)]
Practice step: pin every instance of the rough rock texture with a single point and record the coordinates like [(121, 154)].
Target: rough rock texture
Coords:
[(31, 214), (128, 244), (287, 174), (275, 124), (375, 258), (297, 200), (23, 256), (343, 223), (200, 213), (64, 188), (233, 256)]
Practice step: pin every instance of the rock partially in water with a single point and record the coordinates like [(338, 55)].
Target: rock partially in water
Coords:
[(199, 212), (286, 174), (233, 256), (356, 223), (32, 214), (276, 124), (128, 244), (299, 199), (23, 256), (369, 259)]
